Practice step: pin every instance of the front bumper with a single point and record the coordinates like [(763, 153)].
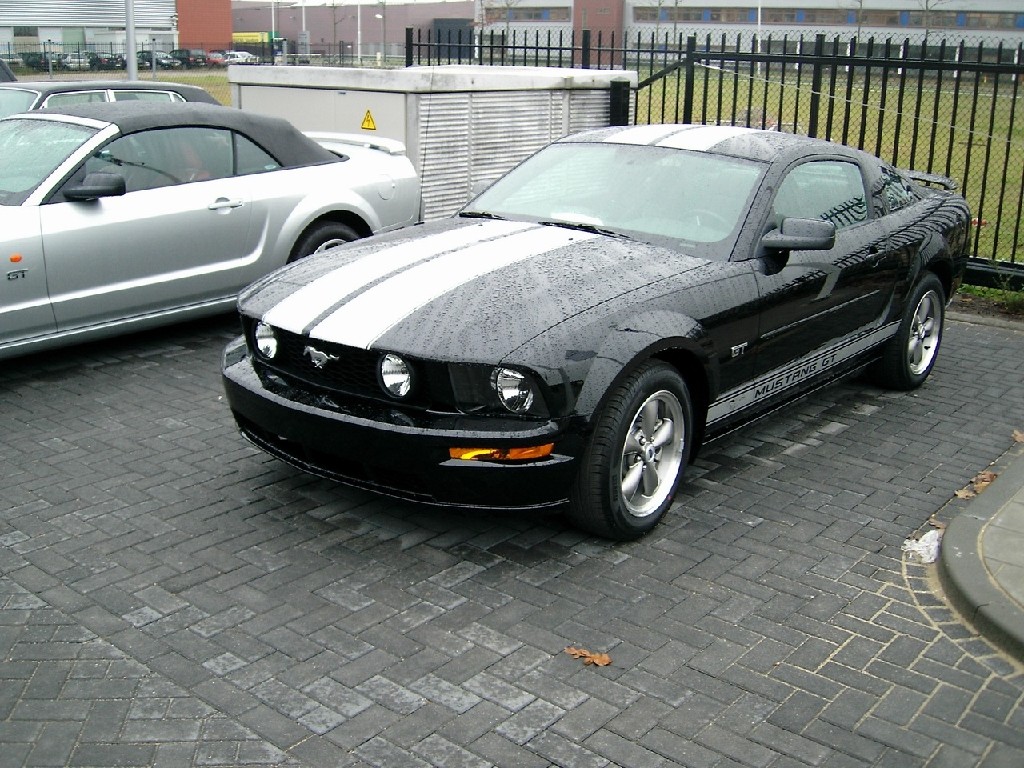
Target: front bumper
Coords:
[(374, 446)]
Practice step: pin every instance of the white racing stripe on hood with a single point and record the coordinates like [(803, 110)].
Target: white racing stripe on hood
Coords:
[(309, 302), (368, 316)]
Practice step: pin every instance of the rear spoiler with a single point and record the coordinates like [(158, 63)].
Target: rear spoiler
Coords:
[(931, 180), (338, 141)]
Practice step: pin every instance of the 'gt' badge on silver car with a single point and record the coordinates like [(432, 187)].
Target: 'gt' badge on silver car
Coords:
[(318, 358)]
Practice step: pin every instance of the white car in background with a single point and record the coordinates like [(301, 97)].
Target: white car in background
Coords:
[(240, 57), (126, 215)]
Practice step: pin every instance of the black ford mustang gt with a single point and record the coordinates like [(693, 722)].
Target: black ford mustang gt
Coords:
[(575, 332)]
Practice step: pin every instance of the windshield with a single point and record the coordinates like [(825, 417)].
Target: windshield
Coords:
[(15, 100), (30, 150), (691, 199)]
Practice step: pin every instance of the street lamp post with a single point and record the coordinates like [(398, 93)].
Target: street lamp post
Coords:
[(383, 16)]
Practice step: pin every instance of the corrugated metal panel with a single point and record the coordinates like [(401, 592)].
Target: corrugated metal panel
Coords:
[(84, 13), (589, 109), (466, 138), (444, 148)]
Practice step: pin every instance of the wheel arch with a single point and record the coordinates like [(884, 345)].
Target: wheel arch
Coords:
[(348, 218), (943, 270), (688, 353), (695, 373)]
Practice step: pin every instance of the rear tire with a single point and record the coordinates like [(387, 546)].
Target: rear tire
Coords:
[(321, 237), (636, 455), (910, 355)]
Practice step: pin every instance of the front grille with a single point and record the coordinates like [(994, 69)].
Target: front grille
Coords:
[(346, 369)]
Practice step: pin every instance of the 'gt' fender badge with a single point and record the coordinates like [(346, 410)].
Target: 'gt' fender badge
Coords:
[(318, 358)]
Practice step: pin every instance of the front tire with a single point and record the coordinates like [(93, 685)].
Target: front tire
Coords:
[(321, 237), (910, 355), (636, 455)]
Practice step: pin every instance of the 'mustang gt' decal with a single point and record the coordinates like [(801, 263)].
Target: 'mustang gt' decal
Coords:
[(793, 374)]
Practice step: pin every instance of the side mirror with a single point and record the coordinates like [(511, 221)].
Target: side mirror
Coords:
[(801, 235), (97, 185)]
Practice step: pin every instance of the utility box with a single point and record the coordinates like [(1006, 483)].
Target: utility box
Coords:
[(462, 125)]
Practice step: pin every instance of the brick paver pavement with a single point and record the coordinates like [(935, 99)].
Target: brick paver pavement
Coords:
[(170, 596)]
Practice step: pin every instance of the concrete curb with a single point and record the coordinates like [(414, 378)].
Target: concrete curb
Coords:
[(962, 569), (995, 322)]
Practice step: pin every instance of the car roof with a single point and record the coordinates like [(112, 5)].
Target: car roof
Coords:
[(276, 135), (736, 141), (46, 87)]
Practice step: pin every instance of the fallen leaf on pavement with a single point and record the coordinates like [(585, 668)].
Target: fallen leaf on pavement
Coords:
[(983, 480), (978, 483), (598, 659)]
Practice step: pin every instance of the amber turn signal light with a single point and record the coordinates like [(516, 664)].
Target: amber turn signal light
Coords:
[(502, 454)]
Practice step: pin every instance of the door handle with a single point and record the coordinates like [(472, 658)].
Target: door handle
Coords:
[(225, 204)]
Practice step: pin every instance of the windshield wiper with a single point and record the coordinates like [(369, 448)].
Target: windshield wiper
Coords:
[(480, 215), (582, 227)]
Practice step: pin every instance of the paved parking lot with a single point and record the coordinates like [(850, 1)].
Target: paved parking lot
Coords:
[(171, 597)]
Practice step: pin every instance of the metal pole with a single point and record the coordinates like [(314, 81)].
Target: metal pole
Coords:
[(130, 58)]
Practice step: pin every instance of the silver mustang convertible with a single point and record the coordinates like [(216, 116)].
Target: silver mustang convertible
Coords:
[(122, 216)]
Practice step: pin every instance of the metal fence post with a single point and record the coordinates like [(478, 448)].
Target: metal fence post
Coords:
[(817, 68), (688, 70), (585, 53), (618, 102), (408, 47)]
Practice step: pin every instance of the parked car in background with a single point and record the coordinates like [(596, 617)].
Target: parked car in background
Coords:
[(163, 60), (574, 334), (122, 216), (215, 58), (100, 60), (6, 75), (27, 95), (190, 57), (77, 61), (240, 57), (40, 61)]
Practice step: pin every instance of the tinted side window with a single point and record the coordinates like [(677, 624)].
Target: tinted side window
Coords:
[(250, 158), (828, 190), (147, 96), (79, 97), (162, 158), (898, 191)]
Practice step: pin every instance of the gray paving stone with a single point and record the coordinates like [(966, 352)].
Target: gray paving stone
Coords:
[(170, 596)]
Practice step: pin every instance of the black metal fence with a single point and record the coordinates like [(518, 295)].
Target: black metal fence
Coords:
[(943, 108)]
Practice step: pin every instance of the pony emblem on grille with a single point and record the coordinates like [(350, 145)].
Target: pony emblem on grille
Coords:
[(318, 358)]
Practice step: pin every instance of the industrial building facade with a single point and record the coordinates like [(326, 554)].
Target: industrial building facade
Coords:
[(100, 24), (373, 25)]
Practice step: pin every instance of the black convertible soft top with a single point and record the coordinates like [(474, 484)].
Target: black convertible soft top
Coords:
[(276, 135)]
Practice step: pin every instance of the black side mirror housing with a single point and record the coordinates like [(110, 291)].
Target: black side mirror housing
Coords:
[(801, 235), (96, 185)]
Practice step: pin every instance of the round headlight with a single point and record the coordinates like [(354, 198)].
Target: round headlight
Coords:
[(513, 389), (266, 340), (395, 375)]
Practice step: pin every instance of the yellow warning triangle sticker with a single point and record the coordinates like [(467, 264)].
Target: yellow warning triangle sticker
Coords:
[(368, 124)]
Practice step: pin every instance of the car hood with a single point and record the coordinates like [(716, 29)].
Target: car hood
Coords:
[(464, 289)]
